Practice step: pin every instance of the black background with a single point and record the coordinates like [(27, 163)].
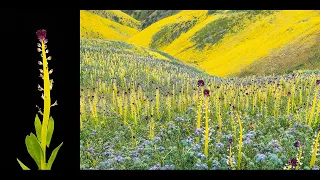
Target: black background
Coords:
[(20, 78)]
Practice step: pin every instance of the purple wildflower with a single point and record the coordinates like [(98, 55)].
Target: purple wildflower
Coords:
[(206, 92), (41, 34), (196, 147), (219, 145), (91, 150), (119, 159), (293, 162), (179, 119), (199, 131), (297, 144), (260, 157), (160, 148), (200, 83)]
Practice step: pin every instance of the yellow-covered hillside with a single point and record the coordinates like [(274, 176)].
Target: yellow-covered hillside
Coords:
[(93, 26), (227, 43)]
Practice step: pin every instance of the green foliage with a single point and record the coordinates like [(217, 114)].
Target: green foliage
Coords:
[(157, 16), (214, 31), (139, 15), (53, 156), (37, 125), (24, 167), (115, 18), (50, 131), (170, 32), (34, 149)]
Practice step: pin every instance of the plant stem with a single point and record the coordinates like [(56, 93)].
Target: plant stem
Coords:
[(47, 105)]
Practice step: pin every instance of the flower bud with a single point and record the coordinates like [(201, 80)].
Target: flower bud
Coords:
[(39, 49), (40, 88), (49, 58), (55, 103)]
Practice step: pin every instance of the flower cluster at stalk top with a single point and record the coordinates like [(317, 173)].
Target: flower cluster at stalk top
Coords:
[(41, 34)]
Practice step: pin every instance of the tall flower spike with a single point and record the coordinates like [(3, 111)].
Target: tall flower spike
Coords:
[(44, 129)]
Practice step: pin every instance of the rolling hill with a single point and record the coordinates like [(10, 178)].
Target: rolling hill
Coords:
[(93, 26), (225, 42), (148, 17), (237, 42), (160, 34), (119, 17)]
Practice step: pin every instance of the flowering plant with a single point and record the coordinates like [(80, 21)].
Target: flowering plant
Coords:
[(36, 144)]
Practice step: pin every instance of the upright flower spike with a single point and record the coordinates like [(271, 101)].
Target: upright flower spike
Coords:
[(36, 145)]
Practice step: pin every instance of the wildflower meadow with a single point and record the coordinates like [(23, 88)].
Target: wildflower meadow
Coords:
[(141, 109)]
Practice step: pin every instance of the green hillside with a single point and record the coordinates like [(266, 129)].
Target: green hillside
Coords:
[(148, 17)]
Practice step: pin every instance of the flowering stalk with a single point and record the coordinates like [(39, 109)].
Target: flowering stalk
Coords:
[(314, 151), (36, 145), (158, 103), (240, 142), (317, 114), (313, 106), (206, 145), (299, 158)]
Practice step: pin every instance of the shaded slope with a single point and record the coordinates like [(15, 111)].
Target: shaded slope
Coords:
[(161, 33), (119, 17)]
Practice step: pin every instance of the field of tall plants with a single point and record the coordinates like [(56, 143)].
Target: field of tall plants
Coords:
[(142, 110)]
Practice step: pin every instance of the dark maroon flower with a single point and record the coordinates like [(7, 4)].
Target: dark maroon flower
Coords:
[(297, 144), (293, 162), (289, 93), (200, 83), (318, 82), (230, 140), (41, 34), (206, 92)]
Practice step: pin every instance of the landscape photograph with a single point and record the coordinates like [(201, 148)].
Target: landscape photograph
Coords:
[(199, 89)]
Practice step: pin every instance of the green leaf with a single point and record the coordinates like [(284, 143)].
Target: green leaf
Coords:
[(53, 156), (34, 148), (50, 131), (24, 167), (37, 125)]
